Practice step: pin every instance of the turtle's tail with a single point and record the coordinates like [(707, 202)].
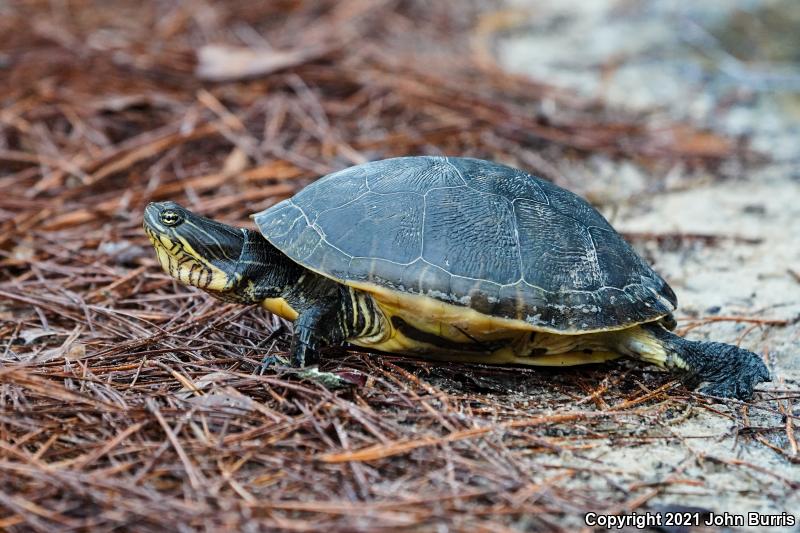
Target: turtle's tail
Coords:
[(727, 370)]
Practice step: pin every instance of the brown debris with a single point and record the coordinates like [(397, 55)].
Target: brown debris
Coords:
[(128, 402), (229, 63), (669, 238)]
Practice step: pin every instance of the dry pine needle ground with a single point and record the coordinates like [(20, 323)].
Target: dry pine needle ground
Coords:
[(130, 402)]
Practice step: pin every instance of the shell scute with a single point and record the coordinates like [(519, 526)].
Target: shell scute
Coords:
[(459, 222)]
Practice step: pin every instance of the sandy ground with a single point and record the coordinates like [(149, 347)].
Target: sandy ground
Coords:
[(676, 58)]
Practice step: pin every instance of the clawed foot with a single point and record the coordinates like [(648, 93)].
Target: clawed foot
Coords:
[(733, 372), (271, 361), (329, 380), (737, 385), (728, 371)]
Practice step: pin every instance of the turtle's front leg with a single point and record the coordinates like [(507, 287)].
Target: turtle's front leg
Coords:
[(340, 314), (317, 327), (328, 315)]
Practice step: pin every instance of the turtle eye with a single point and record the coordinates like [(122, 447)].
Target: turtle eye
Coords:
[(170, 217)]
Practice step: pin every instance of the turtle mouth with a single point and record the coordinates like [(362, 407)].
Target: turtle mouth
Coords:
[(183, 265)]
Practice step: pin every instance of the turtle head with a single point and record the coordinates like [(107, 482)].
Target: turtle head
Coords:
[(223, 260)]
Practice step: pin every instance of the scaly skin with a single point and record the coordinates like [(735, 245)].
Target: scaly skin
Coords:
[(240, 265), (729, 371)]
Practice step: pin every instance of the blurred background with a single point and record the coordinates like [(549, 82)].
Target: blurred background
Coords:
[(131, 402)]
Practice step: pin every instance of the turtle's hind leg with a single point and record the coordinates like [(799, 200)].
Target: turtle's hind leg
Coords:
[(727, 370)]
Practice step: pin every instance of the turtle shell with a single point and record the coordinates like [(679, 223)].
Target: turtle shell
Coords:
[(473, 234)]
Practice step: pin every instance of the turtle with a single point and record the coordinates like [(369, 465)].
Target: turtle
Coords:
[(448, 258)]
